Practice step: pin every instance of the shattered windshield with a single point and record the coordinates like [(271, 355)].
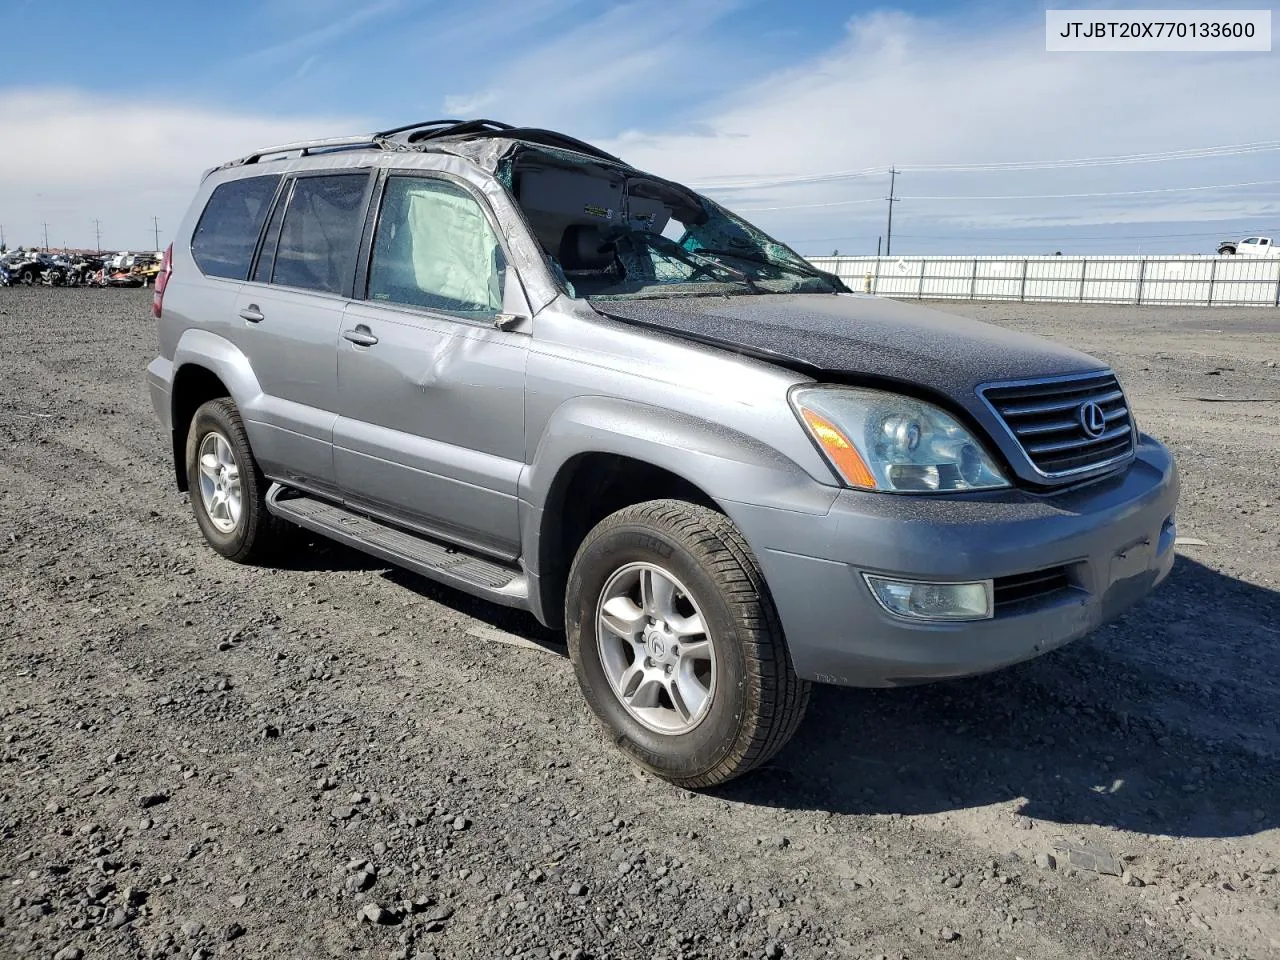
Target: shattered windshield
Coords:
[(608, 232)]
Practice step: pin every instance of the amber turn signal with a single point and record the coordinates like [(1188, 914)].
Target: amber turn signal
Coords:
[(840, 451)]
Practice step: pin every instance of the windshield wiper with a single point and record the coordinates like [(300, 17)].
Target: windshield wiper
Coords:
[(803, 270), (740, 274)]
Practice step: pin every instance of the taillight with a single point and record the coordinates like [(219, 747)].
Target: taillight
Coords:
[(162, 281)]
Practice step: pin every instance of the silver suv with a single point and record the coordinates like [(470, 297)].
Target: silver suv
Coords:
[(508, 361)]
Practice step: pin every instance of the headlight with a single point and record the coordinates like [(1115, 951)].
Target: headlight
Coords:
[(885, 441)]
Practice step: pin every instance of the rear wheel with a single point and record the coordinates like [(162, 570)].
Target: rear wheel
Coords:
[(677, 645), (228, 491)]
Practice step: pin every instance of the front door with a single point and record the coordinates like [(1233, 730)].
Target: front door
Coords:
[(430, 391)]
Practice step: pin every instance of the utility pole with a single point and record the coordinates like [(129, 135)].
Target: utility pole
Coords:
[(97, 234), (3, 245), (156, 222), (879, 240), (888, 240), (46, 236)]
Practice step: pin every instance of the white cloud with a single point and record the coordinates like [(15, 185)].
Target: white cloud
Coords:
[(67, 158), (902, 90), (316, 39), (467, 105), (618, 62)]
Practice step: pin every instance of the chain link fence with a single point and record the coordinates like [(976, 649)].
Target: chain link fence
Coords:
[(1172, 281)]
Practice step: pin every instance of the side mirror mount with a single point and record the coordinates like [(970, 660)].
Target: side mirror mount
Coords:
[(515, 305)]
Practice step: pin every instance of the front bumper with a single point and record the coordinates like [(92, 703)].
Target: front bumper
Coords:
[(1113, 539)]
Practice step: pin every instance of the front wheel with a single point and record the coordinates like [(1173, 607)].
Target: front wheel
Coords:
[(677, 646), (228, 490)]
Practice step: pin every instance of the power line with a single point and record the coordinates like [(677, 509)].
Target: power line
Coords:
[(791, 181), (1002, 238), (1027, 196), (1195, 153), (799, 206), (1114, 193), (1002, 167)]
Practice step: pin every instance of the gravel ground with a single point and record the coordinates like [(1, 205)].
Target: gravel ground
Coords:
[(199, 759)]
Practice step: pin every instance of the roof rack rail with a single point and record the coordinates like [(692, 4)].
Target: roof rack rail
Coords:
[(303, 148), (413, 134), (385, 134)]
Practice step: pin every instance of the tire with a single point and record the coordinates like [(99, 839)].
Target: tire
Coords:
[(1226, 251), (28, 277), (244, 535), (737, 669)]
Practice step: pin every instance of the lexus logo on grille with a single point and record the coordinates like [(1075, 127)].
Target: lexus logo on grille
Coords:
[(1092, 419)]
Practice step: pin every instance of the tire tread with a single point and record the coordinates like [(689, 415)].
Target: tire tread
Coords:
[(263, 529), (781, 697)]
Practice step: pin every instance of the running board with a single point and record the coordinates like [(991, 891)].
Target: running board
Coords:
[(474, 575)]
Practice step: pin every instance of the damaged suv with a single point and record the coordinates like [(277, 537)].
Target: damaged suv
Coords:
[(508, 361)]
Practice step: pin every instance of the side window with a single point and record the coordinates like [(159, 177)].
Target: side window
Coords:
[(228, 230), (1252, 240), (434, 248), (321, 231)]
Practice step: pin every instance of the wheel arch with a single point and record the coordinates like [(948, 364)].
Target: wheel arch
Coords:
[(206, 366), (599, 455), (193, 386)]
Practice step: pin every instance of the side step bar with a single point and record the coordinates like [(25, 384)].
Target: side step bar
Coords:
[(474, 575)]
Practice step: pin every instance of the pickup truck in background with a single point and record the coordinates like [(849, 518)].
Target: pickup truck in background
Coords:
[(1249, 247)]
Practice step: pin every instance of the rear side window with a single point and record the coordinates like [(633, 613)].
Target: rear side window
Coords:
[(228, 230), (320, 234)]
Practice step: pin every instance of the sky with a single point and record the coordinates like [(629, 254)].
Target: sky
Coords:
[(789, 113)]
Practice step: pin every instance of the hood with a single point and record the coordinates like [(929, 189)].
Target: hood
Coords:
[(858, 336)]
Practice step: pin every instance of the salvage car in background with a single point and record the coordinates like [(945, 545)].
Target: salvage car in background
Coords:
[(28, 268), (1249, 247)]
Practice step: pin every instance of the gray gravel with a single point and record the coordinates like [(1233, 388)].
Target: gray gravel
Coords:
[(204, 760)]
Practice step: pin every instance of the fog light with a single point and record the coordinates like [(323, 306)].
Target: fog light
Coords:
[(926, 600)]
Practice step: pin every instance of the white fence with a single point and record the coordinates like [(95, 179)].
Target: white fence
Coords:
[(1186, 280)]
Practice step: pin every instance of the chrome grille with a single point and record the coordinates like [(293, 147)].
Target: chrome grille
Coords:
[(1045, 417)]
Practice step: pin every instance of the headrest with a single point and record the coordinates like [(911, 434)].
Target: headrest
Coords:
[(584, 246)]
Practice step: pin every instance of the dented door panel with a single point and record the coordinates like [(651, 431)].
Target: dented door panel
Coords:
[(431, 423)]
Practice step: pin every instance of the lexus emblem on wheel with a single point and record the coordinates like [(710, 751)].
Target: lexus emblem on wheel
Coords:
[(1092, 419)]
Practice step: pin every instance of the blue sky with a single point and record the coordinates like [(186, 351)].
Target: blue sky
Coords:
[(736, 94)]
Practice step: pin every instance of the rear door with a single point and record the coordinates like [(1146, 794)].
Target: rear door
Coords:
[(430, 390), (289, 314)]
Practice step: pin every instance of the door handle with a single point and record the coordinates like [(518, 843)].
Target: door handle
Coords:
[(252, 313), (361, 336)]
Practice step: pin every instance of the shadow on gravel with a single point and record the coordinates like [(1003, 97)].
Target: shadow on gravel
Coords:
[(319, 554), (506, 619), (1163, 723)]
